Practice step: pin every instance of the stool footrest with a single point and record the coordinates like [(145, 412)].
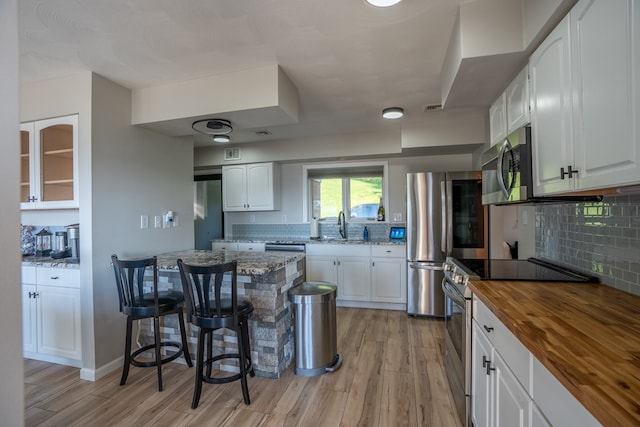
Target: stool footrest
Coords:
[(167, 359), (227, 379)]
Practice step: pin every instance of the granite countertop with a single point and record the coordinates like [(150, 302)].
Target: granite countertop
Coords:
[(316, 241), (586, 335), (249, 262), (46, 261)]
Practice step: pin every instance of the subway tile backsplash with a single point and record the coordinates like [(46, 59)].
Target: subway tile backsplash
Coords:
[(378, 231), (602, 238)]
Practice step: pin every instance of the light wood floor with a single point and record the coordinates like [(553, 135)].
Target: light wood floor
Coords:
[(392, 375)]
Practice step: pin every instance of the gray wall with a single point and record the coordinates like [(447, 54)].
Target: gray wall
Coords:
[(11, 365), (600, 238), (124, 172)]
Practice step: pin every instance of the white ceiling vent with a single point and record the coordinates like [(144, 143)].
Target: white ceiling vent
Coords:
[(232, 153)]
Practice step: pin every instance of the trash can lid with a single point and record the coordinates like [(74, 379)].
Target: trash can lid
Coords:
[(310, 292)]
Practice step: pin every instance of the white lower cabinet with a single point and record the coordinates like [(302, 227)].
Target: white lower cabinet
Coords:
[(389, 274), (371, 275), (51, 314), (510, 387), (498, 398)]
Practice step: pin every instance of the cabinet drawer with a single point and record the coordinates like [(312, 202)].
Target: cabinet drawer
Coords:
[(29, 275), (392, 251), (514, 353), (251, 246), (64, 277), (557, 404)]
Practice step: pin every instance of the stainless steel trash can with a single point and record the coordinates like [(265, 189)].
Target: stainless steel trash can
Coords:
[(314, 310)]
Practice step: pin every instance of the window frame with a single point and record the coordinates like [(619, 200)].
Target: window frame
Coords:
[(349, 168)]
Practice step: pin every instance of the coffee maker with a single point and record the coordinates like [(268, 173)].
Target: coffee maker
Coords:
[(60, 246), (73, 235)]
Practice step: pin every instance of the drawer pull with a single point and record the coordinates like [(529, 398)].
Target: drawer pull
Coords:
[(484, 361), (487, 328), (54, 277)]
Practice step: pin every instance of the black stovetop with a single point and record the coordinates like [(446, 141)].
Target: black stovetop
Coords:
[(530, 269)]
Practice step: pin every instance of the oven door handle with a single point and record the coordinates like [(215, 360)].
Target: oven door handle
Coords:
[(450, 291)]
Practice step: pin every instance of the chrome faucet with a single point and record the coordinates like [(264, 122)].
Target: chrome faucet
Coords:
[(342, 225)]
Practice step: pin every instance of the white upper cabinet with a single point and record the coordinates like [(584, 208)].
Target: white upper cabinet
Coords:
[(551, 135), (606, 87), (252, 187), (49, 163), (585, 100), (511, 110), (517, 101), (498, 119)]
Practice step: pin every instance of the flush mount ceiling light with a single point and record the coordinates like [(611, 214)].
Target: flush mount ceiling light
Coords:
[(221, 138), (392, 113), (212, 126), (383, 3)]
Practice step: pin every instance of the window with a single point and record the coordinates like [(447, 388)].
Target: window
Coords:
[(354, 188)]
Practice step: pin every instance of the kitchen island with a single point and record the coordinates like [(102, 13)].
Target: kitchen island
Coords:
[(264, 279), (586, 335)]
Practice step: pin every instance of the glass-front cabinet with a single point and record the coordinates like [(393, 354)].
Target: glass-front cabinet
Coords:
[(48, 163)]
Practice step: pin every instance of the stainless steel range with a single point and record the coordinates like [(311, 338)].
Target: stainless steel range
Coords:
[(457, 274)]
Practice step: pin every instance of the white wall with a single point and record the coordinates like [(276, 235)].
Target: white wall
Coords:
[(11, 365)]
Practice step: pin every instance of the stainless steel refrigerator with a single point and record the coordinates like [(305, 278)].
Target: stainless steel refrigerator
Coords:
[(445, 217)]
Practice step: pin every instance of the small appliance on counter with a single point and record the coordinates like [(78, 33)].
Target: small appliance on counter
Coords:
[(73, 233), (61, 249), (43, 243)]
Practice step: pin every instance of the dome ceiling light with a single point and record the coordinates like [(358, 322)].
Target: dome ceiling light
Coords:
[(212, 126), (221, 138), (392, 113), (383, 3)]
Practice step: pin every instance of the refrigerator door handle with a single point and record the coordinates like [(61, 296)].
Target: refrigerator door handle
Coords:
[(448, 209), (425, 266), (443, 218)]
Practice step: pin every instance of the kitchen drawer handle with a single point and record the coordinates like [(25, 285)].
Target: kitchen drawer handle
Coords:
[(487, 328), (54, 277)]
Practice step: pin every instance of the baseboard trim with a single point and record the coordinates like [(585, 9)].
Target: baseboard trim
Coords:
[(371, 304), (52, 359), (96, 374)]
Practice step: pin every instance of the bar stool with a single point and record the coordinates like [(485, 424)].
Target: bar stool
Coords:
[(210, 307), (136, 303)]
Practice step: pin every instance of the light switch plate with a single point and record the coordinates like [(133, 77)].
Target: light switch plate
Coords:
[(144, 221), (157, 221)]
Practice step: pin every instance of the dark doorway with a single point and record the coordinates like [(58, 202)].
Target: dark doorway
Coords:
[(209, 221)]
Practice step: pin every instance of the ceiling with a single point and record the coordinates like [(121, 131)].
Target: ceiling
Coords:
[(347, 59)]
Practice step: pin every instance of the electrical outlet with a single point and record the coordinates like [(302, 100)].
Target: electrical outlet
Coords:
[(284, 218), (176, 222), (144, 221), (157, 221), (252, 218)]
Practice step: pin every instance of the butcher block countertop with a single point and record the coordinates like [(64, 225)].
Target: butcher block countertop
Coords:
[(586, 335)]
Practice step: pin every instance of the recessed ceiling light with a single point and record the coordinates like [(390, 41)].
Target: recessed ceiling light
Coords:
[(392, 113), (383, 3), (221, 138)]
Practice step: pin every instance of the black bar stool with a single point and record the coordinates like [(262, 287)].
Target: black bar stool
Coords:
[(137, 304), (211, 307)]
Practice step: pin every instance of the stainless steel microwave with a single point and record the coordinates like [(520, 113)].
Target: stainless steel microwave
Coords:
[(506, 170), (507, 174)]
